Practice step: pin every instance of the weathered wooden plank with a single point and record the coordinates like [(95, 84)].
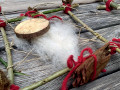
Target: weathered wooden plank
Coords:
[(109, 82), (18, 5), (87, 13), (39, 70)]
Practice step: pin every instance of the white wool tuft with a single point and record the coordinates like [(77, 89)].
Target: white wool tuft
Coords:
[(21, 43), (58, 43)]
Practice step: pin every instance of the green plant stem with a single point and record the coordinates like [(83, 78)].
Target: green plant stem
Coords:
[(113, 4), (103, 7), (44, 12), (9, 57), (89, 29), (3, 62), (44, 81), (14, 71)]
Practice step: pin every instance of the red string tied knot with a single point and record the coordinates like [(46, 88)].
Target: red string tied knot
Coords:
[(71, 63), (108, 8), (28, 13), (115, 43), (2, 23), (14, 87), (67, 8)]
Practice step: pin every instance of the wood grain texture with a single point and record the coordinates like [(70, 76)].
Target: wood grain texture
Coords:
[(106, 23), (19, 5), (110, 82)]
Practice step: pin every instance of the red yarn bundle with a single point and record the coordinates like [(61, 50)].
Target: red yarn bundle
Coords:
[(2, 23), (114, 44), (67, 8), (14, 87), (71, 62), (108, 8)]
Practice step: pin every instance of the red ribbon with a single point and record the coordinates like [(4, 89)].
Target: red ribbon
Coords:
[(67, 8), (2, 23), (108, 8), (114, 44), (14, 87), (71, 62)]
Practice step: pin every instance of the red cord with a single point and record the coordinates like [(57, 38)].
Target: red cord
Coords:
[(2, 23), (104, 70), (14, 87), (28, 13), (108, 8), (71, 62), (67, 8), (114, 44)]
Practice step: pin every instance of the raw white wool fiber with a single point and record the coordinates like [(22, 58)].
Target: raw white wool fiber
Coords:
[(58, 44), (55, 46), (22, 43)]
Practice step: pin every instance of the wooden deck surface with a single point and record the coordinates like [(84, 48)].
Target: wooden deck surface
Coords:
[(106, 23)]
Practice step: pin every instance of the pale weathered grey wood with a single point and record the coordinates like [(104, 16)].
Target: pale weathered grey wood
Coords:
[(109, 82), (18, 5), (38, 70)]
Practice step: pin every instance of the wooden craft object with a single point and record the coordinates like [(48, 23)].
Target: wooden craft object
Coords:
[(4, 82), (84, 72), (32, 28)]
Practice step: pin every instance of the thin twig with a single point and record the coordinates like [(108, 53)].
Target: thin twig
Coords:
[(90, 30), (44, 81), (20, 62), (9, 57), (7, 20)]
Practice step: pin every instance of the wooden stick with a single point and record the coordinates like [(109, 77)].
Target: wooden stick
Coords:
[(44, 12), (103, 7), (59, 73), (113, 4), (48, 79), (9, 57), (89, 29), (14, 71)]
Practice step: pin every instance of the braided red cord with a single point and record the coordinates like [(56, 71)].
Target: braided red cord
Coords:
[(108, 8), (71, 62)]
